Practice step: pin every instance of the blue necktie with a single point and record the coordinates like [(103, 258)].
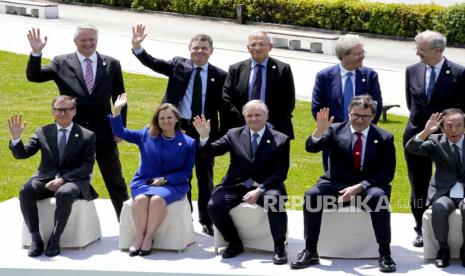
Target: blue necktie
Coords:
[(257, 85), (62, 143), (254, 143), (348, 94), (432, 82)]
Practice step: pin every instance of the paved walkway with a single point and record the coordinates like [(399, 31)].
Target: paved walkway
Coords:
[(169, 35)]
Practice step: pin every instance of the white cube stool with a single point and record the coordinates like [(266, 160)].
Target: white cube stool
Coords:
[(176, 231), (82, 228), (252, 224), (347, 233), (455, 239)]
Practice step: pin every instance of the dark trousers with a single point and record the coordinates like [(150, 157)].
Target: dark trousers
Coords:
[(35, 190), (107, 157), (204, 172), (224, 198), (419, 172), (441, 209), (313, 211)]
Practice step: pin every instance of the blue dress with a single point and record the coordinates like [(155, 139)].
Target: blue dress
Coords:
[(170, 158)]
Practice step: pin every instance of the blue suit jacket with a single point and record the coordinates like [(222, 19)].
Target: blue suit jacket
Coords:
[(270, 165), (379, 157), (448, 92), (327, 91), (176, 167)]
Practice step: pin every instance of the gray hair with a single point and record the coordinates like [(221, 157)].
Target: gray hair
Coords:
[(83, 27), (202, 37), (451, 111), (363, 101), (64, 98), (255, 103), (433, 39), (256, 33), (345, 44)]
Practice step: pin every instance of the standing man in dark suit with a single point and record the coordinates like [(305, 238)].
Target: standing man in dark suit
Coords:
[(194, 87), (446, 191), (336, 85), (67, 159), (94, 80), (356, 174), (431, 86), (256, 174), (259, 78)]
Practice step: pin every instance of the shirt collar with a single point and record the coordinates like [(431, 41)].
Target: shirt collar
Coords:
[(364, 132), (439, 64), (204, 67), (93, 57), (345, 71), (68, 128), (260, 132), (459, 143), (263, 63)]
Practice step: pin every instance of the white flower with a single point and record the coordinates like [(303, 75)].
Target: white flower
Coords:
[(375, 141)]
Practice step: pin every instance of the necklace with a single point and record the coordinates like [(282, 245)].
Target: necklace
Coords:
[(167, 138)]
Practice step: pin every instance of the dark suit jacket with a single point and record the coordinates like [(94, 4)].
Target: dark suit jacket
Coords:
[(179, 71), (379, 158), (269, 167), (280, 95), (92, 109), (447, 172), (448, 92), (78, 159), (327, 91)]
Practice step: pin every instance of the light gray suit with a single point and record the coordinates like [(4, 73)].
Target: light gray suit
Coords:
[(448, 172)]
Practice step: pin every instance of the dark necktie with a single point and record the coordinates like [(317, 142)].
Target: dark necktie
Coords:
[(357, 152), (254, 143), (457, 158), (89, 75), (196, 104), (432, 82), (348, 94), (257, 85), (62, 143)]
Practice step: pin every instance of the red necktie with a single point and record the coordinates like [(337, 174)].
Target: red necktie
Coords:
[(357, 152)]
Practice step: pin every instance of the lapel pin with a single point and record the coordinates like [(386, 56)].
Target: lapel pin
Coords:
[(179, 144), (364, 80), (274, 66), (268, 141), (104, 63), (212, 79), (375, 141), (447, 72)]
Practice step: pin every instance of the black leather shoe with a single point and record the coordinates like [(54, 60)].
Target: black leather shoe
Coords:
[(53, 248), (36, 248), (305, 258), (442, 259), (133, 253), (386, 264), (418, 241), (207, 229), (280, 255), (233, 249), (462, 256), (146, 252)]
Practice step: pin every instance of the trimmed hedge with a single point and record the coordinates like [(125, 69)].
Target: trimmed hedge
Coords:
[(400, 20)]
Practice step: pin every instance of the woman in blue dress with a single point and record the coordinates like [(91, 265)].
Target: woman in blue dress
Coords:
[(166, 161)]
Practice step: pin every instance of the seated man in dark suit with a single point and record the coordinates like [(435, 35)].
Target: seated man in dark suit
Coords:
[(336, 85), (67, 160), (446, 190), (362, 165), (256, 174)]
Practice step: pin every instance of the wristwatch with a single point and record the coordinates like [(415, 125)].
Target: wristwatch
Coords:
[(164, 181)]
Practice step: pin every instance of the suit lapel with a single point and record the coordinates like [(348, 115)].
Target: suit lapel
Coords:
[(336, 87), (75, 66), (73, 139), (360, 83), (263, 147), (52, 140), (370, 148), (346, 142), (421, 76), (209, 93), (446, 154), (101, 67), (245, 141), (271, 72), (244, 80), (441, 81)]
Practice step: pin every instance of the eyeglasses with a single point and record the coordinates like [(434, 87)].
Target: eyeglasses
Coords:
[(359, 54), (360, 116), (63, 110), (258, 45)]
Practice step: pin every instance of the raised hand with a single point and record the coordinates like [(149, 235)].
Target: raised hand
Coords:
[(434, 122), (202, 126), (16, 125), (138, 35), (120, 102), (322, 122), (36, 41)]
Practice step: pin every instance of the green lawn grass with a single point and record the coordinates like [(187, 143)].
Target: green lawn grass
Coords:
[(17, 95)]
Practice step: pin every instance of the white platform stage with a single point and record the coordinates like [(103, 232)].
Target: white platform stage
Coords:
[(104, 258)]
